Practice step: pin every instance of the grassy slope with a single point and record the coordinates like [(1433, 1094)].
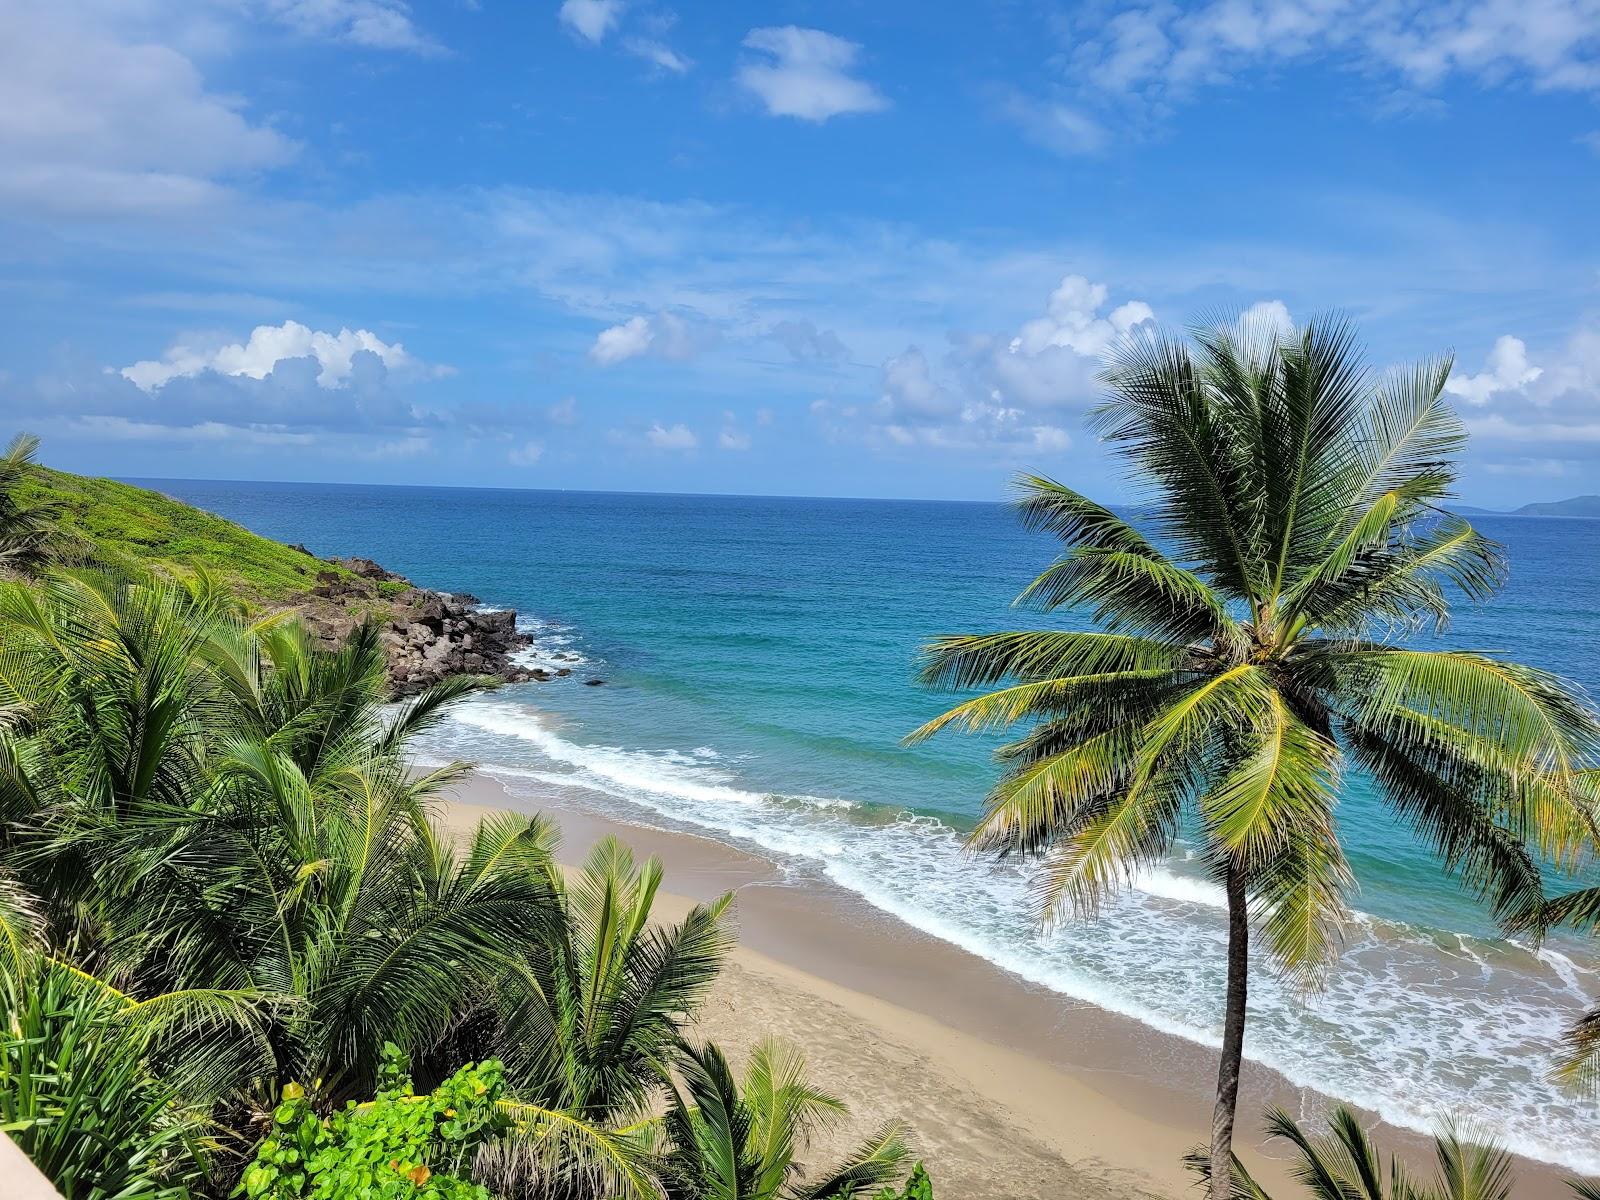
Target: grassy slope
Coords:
[(121, 522)]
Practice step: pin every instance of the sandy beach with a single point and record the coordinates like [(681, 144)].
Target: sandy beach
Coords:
[(1014, 1092)]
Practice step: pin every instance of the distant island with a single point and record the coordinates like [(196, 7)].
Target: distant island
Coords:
[(1576, 506)]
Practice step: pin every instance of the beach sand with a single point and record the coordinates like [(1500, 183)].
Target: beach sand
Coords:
[(1014, 1092)]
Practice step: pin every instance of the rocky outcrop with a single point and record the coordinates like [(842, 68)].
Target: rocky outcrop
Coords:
[(428, 635)]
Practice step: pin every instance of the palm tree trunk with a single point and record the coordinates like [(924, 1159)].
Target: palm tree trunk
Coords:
[(1232, 1038)]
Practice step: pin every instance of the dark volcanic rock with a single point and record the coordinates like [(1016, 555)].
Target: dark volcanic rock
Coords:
[(428, 635)]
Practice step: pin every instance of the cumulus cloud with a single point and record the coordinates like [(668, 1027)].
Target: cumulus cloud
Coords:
[(1507, 370), (806, 343), (94, 120), (805, 73), (1535, 417), (526, 454), (910, 391), (1072, 321), (334, 353), (994, 393), (670, 437), (664, 335), (374, 24), (591, 20)]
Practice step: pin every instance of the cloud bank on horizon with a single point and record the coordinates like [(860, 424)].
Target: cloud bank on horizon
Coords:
[(603, 243)]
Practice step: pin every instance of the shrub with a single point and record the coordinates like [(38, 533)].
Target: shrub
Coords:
[(918, 1187), (397, 1145)]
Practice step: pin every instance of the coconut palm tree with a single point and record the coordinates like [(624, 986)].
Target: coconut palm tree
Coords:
[(731, 1142), (204, 805), (110, 1094), (1579, 909), (1343, 1164), (1250, 651), (590, 1020), (28, 529)]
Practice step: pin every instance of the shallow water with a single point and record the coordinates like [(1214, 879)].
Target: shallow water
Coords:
[(759, 657)]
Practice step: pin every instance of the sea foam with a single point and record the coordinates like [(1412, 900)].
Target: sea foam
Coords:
[(1413, 1024)]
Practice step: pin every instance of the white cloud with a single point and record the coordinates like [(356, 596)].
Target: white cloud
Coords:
[(1268, 318), (989, 395), (664, 335), (374, 24), (94, 120), (670, 437), (398, 448), (805, 73), (806, 343), (591, 20), (526, 454), (732, 437), (1072, 320), (1528, 417), (910, 391), (124, 429), (659, 54), (1058, 127), (622, 342), (268, 345), (1163, 47), (1507, 370)]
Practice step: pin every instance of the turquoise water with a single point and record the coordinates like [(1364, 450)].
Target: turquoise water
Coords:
[(759, 657)]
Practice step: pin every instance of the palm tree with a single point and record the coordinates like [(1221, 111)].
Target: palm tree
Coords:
[(110, 1094), (1580, 909), (588, 1026), (1250, 653), (208, 806), (733, 1142), (590, 1020), (28, 530), (1343, 1164)]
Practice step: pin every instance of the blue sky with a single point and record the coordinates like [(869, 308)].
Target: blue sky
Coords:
[(809, 248)]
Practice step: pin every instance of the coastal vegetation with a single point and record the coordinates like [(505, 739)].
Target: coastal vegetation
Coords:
[(1254, 646), (109, 523), (240, 954), (1344, 1164)]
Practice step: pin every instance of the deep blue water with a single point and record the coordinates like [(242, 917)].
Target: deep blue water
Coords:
[(759, 655)]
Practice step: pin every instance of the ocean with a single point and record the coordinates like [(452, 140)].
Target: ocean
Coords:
[(758, 655)]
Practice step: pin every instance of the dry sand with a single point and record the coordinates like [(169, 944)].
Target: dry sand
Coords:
[(1014, 1092)]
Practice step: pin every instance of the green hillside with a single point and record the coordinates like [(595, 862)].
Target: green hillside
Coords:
[(113, 521), (1577, 506)]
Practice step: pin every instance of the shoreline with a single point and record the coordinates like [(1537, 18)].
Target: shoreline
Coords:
[(1015, 1090)]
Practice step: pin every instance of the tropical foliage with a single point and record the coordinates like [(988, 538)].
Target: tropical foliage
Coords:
[(918, 1187), (29, 534), (397, 1145), (731, 1142), (108, 523), (1251, 650), (229, 925), (1343, 1164)]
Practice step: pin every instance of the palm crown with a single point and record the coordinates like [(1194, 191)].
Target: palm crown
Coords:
[(1248, 651)]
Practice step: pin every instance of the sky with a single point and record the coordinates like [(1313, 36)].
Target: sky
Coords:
[(860, 248)]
